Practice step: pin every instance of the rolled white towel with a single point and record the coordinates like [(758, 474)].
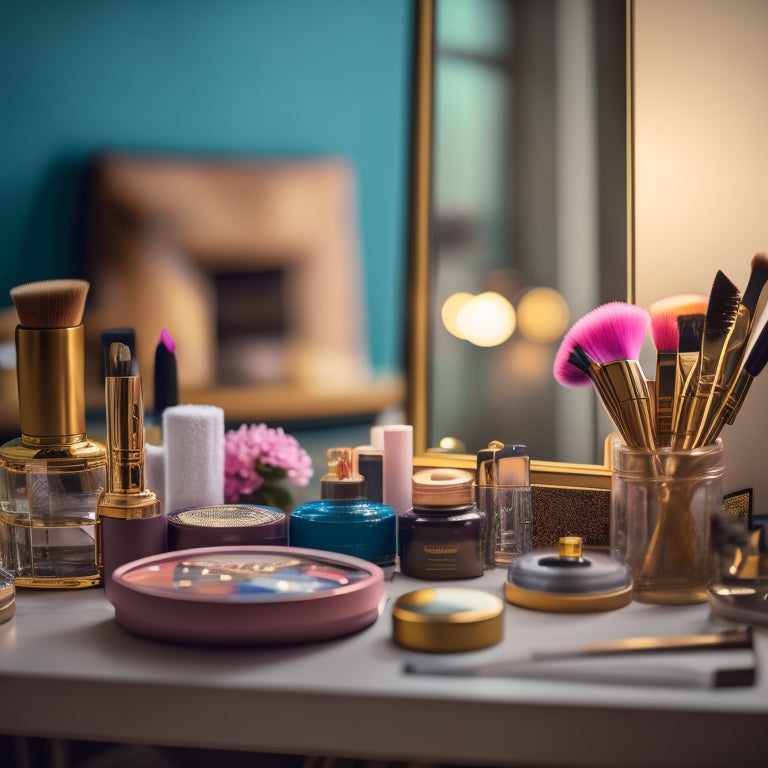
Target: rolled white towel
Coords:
[(194, 456), (154, 470)]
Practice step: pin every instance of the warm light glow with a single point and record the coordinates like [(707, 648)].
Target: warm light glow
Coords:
[(486, 320), (453, 444), (451, 307), (542, 315)]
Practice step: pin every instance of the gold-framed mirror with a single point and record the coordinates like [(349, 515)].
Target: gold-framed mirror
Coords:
[(424, 376)]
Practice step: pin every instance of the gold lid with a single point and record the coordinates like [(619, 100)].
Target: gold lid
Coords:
[(570, 547), (442, 487), (447, 619)]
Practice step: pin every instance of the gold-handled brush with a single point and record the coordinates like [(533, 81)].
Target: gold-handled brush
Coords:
[(719, 323), (733, 349), (666, 335), (602, 348), (690, 329)]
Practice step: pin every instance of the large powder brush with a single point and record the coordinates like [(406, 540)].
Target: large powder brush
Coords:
[(611, 336), (50, 303), (50, 365)]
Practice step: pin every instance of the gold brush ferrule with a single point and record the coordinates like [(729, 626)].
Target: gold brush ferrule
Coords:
[(629, 387), (50, 371), (665, 387)]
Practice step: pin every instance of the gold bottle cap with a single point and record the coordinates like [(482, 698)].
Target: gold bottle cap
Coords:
[(570, 547), (447, 619)]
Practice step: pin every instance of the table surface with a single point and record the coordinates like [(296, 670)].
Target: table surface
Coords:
[(68, 670)]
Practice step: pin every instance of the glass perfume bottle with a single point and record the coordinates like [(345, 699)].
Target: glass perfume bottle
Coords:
[(51, 477), (442, 536), (344, 520)]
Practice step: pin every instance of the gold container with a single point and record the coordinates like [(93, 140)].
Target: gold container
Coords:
[(447, 619)]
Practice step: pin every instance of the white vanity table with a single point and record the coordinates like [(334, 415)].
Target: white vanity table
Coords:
[(67, 670)]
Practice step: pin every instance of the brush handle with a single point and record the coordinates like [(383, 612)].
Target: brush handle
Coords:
[(627, 386), (666, 386)]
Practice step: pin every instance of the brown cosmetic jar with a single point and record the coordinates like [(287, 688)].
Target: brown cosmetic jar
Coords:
[(441, 536)]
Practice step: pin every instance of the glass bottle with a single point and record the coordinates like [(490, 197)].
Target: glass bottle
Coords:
[(52, 475), (344, 520), (442, 536)]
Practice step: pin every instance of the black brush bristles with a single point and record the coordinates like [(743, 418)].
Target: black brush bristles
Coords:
[(723, 307), (690, 329)]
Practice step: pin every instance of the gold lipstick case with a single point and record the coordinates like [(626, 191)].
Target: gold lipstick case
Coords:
[(133, 525)]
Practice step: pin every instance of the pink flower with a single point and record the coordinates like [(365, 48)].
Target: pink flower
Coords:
[(254, 452)]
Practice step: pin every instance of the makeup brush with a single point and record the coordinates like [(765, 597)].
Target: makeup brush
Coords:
[(734, 347), (49, 340), (664, 331), (50, 303), (612, 335), (745, 318), (690, 329), (575, 368), (719, 322), (753, 366)]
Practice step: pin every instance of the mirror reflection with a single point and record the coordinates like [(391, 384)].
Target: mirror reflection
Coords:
[(528, 216)]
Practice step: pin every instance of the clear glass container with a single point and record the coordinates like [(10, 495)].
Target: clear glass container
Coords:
[(661, 505), (48, 522)]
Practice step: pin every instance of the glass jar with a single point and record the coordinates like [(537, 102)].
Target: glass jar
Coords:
[(442, 536), (661, 505)]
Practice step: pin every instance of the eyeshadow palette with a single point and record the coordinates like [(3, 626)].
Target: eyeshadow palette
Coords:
[(247, 595)]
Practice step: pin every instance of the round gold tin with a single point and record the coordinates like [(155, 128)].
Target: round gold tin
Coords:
[(447, 619)]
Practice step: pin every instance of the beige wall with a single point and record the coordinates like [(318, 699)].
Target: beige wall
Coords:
[(701, 144)]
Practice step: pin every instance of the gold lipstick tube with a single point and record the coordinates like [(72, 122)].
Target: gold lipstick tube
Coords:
[(132, 521)]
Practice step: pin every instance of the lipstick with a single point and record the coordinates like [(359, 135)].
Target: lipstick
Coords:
[(131, 516)]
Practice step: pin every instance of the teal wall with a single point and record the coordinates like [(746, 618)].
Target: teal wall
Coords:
[(269, 77)]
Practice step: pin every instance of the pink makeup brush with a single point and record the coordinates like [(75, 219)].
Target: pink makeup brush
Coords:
[(611, 336), (664, 331)]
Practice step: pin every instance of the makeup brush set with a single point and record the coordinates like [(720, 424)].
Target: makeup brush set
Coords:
[(709, 350)]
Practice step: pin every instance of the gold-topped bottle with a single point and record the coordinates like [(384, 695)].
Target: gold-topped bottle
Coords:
[(52, 475)]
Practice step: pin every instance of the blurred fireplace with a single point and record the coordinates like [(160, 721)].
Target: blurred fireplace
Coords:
[(254, 269)]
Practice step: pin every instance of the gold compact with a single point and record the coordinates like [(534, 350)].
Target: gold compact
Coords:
[(447, 619), (567, 581)]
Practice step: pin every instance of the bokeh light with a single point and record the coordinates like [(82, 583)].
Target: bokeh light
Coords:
[(542, 315)]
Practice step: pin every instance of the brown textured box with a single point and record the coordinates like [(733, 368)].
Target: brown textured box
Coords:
[(570, 512)]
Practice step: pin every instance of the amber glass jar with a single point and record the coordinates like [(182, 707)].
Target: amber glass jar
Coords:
[(441, 537)]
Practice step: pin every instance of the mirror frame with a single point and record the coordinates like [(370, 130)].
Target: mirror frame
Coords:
[(546, 473)]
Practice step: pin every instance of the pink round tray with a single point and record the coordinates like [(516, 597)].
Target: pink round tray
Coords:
[(247, 595)]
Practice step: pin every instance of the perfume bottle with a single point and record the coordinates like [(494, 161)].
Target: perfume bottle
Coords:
[(442, 536), (503, 492), (51, 476), (344, 520)]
